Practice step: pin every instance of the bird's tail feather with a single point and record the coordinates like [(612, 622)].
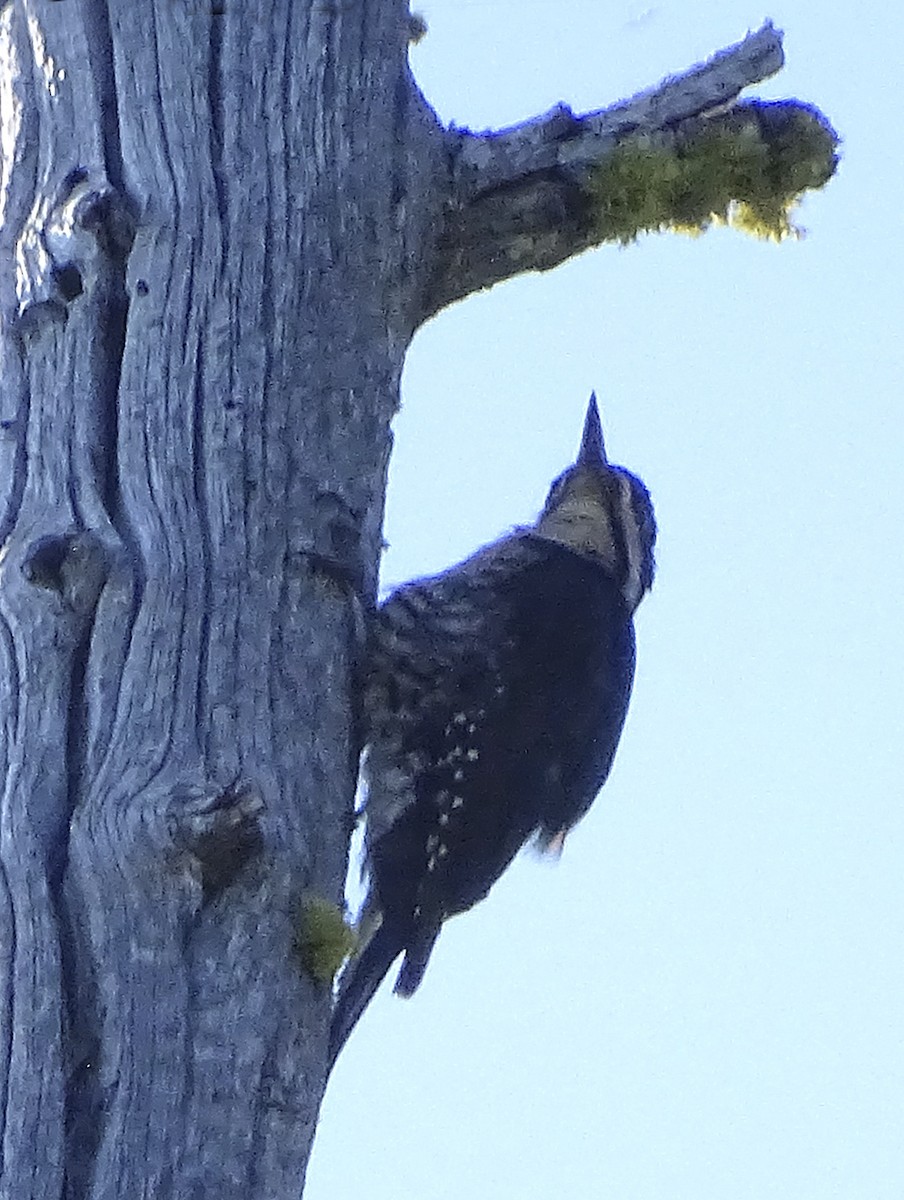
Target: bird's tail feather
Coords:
[(365, 974), (415, 962)]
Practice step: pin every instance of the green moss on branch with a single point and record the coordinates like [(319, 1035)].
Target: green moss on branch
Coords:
[(747, 167)]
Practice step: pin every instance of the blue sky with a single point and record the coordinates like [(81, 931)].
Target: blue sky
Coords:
[(704, 998)]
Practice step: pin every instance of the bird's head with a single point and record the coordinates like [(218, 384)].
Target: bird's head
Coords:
[(604, 513)]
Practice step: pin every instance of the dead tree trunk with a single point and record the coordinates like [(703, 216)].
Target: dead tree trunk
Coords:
[(220, 225)]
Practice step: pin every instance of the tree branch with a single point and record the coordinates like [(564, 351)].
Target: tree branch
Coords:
[(681, 155)]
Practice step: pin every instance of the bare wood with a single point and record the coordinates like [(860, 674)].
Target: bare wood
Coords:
[(486, 161), (205, 300)]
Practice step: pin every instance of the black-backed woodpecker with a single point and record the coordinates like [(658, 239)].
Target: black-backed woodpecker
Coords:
[(494, 698)]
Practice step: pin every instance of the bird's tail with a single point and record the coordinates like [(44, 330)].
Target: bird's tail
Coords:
[(365, 974), (415, 962)]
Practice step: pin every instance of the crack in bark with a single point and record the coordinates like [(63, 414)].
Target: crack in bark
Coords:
[(215, 92)]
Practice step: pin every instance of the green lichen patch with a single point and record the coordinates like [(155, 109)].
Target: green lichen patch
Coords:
[(747, 167), (324, 940)]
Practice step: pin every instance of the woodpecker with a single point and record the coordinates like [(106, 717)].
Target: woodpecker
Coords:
[(494, 696)]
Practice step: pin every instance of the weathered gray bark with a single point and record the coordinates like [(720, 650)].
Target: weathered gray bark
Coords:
[(218, 222), (221, 224)]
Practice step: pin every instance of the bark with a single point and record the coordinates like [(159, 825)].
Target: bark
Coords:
[(216, 221), (220, 226)]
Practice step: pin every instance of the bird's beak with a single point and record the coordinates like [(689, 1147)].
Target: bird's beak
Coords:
[(593, 449)]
